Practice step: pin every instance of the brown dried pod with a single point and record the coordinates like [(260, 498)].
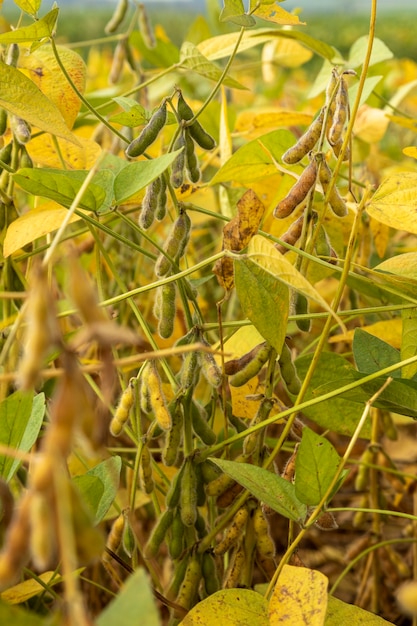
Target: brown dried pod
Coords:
[(292, 235), (335, 200), (298, 192), (306, 142)]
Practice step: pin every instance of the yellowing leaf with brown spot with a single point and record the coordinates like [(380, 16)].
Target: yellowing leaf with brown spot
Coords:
[(229, 607), (270, 11), (299, 598), (237, 234), (43, 69), (20, 96), (43, 151), (34, 224), (395, 202)]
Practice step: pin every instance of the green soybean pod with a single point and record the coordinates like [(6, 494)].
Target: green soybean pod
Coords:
[(20, 128), (168, 310), (249, 365), (145, 27), (190, 370), (117, 17), (176, 540), (149, 204), (175, 244), (336, 202), (190, 583), (340, 112), (322, 245), (6, 153), (173, 437), (288, 371), (173, 495), (209, 367), (145, 471), (3, 121), (197, 132), (210, 575), (200, 426), (178, 165), (301, 308), (149, 132), (13, 53), (159, 533), (191, 161), (298, 192), (306, 142), (188, 495), (24, 159), (161, 205)]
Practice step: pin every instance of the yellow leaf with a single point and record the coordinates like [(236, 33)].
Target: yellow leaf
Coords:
[(34, 224), (395, 202), (42, 68), (370, 124), (299, 598), (389, 331), (43, 151), (410, 151), (282, 53), (29, 588), (223, 45), (254, 119), (380, 233), (229, 607)]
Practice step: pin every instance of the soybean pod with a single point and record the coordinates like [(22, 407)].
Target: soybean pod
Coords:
[(306, 142), (117, 17), (298, 192), (197, 132), (149, 132)]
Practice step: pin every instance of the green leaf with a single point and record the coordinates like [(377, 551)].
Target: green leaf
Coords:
[(340, 613), (191, 58), (29, 6), (35, 32), (234, 12), (264, 300), (20, 421), (270, 488), (61, 186), (230, 607), (256, 160), (18, 617), (133, 602), (263, 252), (30, 434), (138, 175), (409, 341), (315, 467), (165, 53), (99, 486), (371, 354), (357, 53), (20, 96), (340, 415)]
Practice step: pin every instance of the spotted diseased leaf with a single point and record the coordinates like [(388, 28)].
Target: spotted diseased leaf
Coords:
[(20, 96), (270, 11), (237, 234), (299, 597)]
